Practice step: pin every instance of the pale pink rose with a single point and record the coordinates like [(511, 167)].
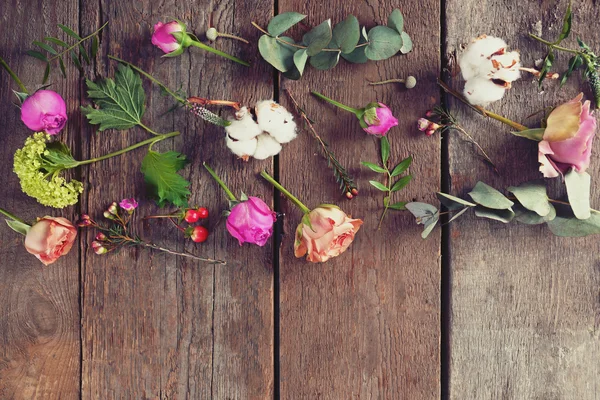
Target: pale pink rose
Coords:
[(163, 38), (568, 138), (50, 238), (331, 234), (44, 111), (382, 123), (251, 221)]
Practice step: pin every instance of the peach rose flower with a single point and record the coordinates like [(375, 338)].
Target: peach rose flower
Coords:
[(50, 238), (331, 234)]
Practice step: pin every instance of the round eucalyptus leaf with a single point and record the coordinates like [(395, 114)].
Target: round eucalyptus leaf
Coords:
[(489, 197), (317, 38), (347, 34), (407, 43), (498, 215), (325, 60), (300, 58), (279, 56), (283, 22), (357, 56), (396, 21), (532, 195), (384, 42)]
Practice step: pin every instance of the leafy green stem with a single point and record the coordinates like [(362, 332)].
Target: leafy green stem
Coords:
[(203, 46), (283, 190), (220, 182), (13, 75), (150, 141), (149, 130), (555, 46), (386, 203), (97, 31), (12, 216), (355, 111)]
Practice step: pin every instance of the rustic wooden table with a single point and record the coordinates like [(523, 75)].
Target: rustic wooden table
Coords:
[(480, 310)]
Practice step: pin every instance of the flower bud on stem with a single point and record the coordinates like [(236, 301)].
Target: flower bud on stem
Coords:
[(212, 34)]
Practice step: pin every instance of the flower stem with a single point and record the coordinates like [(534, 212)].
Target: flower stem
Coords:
[(554, 46), (12, 216), (220, 182), (228, 35), (150, 141), (177, 253), (13, 75), (355, 111), (153, 79), (387, 81), (283, 190), (218, 52), (482, 110), (97, 31), (204, 102)]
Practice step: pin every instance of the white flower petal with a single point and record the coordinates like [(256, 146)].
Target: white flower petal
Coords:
[(242, 148), (266, 147), (243, 129), (276, 120), (481, 91)]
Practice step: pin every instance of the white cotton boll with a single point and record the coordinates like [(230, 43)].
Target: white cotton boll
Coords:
[(475, 59), (266, 147), (481, 91), (507, 75), (506, 67), (242, 148), (276, 120), (244, 128)]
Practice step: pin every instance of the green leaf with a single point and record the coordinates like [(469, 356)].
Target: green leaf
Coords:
[(489, 197), (346, 34), (84, 54), (583, 45), (374, 167), (458, 214), (292, 73), (160, 173), (59, 156), (379, 186), (36, 54), (452, 202), (69, 31), (401, 184), (61, 64), (75, 59), (498, 215), (546, 66), (283, 22), (45, 47), (429, 225), (22, 96), (384, 42), (325, 60), (56, 41), (532, 195), (574, 63), (279, 56), (422, 211), (385, 150), (121, 101), (536, 134), (317, 38), (570, 226), (243, 197), (357, 56), (407, 43), (400, 206), (95, 45), (300, 58), (403, 166), (46, 73), (578, 190), (18, 226), (528, 217), (566, 28), (396, 21)]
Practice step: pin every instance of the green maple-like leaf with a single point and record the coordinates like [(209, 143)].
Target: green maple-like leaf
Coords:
[(160, 173), (120, 102)]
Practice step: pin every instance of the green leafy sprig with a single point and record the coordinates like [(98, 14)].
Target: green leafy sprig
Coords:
[(391, 186), (52, 49), (583, 58), (323, 45), (528, 204)]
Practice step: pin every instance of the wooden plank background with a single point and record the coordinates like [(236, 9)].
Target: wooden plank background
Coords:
[(520, 314)]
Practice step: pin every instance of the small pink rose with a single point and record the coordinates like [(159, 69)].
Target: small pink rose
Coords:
[(50, 238), (163, 36), (251, 221), (44, 111), (379, 120)]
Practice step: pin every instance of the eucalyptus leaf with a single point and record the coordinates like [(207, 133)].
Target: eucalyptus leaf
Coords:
[(489, 197), (317, 38), (458, 214), (529, 217), (279, 56), (357, 56), (292, 74), (374, 167), (578, 190), (532, 195), (401, 184), (496, 214), (18, 226), (570, 226), (403, 166), (536, 134), (300, 58), (396, 21), (325, 60), (384, 42), (452, 202), (346, 34), (407, 43), (385, 150), (284, 21), (379, 186), (429, 225), (423, 212)]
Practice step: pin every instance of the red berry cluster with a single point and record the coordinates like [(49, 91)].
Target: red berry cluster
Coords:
[(198, 233)]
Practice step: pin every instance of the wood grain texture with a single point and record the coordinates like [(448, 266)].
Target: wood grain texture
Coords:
[(366, 324), (155, 326), (39, 311), (525, 305)]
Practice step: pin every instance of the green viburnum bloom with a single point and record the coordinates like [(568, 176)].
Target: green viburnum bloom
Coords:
[(39, 165)]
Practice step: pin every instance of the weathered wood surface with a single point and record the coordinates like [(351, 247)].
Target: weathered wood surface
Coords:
[(525, 311)]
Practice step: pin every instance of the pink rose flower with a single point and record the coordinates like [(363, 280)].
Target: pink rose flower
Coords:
[(379, 120), (50, 238), (331, 234), (128, 204), (567, 140), (163, 36), (251, 221), (44, 111)]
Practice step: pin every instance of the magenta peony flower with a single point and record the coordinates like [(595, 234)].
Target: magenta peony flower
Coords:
[(379, 120), (163, 37), (567, 140), (251, 221), (44, 111), (128, 204)]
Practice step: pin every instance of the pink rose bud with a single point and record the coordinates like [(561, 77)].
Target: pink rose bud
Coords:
[(330, 234), (379, 120), (50, 238), (44, 111), (170, 37), (251, 221), (567, 140), (128, 205)]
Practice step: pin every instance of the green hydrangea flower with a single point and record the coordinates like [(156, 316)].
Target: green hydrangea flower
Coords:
[(39, 165)]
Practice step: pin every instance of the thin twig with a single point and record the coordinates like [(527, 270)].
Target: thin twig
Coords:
[(464, 132), (177, 253)]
